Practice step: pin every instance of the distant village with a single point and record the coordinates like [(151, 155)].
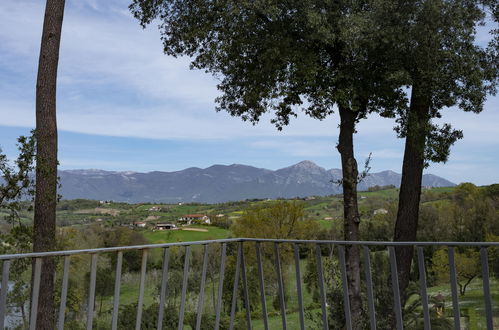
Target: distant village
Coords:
[(183, 221)]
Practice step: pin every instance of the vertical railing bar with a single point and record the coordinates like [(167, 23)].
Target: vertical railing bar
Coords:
[(91, 294), (64, 294), (422, 285), (3, 291), (453, 284), (486, 287), (184, 287), (369, 285), (220, 286), (140, 302), (162, 294), (344, 280), (322, 291), (202, 288), (234, 291), (280, 285), (35, 294), (117, 288), (298, 285), (395, 287), (262, 286), (245, 289)]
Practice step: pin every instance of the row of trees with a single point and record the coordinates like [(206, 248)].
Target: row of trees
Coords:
[(356, 57)]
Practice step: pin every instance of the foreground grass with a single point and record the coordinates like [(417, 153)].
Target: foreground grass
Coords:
[(472, 304)]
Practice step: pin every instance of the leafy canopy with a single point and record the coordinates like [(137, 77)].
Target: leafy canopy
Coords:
[(279, 56)]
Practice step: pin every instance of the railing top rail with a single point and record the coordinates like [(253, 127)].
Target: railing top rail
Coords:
[(228, 240), (374, 243), (113, 249)]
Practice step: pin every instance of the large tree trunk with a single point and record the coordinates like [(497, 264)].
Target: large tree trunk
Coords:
[(410, 188), (46, 157), (350, 211)]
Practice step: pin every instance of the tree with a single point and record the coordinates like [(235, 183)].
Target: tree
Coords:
[(279, 56), (467, 267), (17, 183), (445, 68), (279, 220), (16, 186), (46, 157)]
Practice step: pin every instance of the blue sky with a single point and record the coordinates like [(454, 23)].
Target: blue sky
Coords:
[(124, 105)]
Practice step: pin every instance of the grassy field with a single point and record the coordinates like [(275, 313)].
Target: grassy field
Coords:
[(472, 304), (171, 236)]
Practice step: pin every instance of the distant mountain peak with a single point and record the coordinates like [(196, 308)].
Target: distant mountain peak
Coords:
[(306, 164)]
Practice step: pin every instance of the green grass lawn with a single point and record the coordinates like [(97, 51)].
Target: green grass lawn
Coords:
[(171, 236), (386, 193), (326, 224), (292, 322), (471, 305)]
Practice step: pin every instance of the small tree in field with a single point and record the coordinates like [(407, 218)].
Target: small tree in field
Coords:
[(467, 267)]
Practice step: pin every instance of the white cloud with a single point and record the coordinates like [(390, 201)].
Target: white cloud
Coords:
[(298, 148)]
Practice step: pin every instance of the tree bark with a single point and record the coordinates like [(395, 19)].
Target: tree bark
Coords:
[(46, 157), (351, 217), (410, 188)]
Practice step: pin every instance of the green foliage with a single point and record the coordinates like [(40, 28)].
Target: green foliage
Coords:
[(16, 183), (474, 214), (378, 188), (123, 236), (445, 65), (467, 267), (280, 220), (282, 55), (128, 316)]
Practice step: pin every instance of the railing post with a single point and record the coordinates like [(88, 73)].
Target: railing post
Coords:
[(202, 288), (162, 295), (3, 291), (422, 286), (369, 285), (91, 294), (35, 294), (64, 292), (234, 290), (344, 280), (280, 285), (117, 289), (140, 302), (486, 287), (453, 284), (298, 285), (262, 286), (245, 288), (395, 287), (322, 291), (220, 286), (184, 288)]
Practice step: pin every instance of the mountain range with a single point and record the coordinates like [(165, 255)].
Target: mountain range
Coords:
[(218, 183)]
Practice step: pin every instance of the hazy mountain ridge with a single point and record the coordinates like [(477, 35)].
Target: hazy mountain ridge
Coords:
[(217, 183)]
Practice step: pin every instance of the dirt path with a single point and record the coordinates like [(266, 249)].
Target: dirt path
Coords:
[(195, 229)]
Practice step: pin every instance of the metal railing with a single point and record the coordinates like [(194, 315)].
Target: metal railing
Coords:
[(254, 246)]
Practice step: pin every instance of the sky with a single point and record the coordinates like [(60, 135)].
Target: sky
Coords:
[(123, 105)]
